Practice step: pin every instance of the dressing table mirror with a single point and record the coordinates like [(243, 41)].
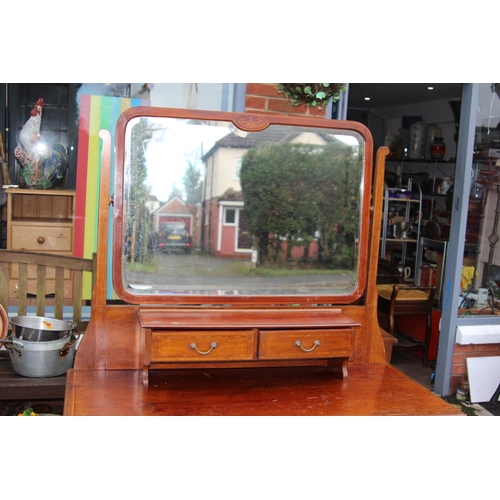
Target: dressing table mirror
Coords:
[(244, 256), (238, 237)]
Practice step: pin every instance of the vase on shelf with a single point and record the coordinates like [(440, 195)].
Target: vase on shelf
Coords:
[(431, 132), (416, 141), (437, 148)]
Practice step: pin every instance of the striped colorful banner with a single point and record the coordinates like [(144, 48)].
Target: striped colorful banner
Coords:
[(96, 113)]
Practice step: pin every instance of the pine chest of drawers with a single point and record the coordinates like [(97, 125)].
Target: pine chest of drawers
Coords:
[(40, 221)]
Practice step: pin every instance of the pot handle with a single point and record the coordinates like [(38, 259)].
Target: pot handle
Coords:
[(68, 345), (4, 323), (11, 341), (11, 346)]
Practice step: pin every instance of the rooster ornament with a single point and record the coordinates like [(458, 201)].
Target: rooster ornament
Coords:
[(42, 166)]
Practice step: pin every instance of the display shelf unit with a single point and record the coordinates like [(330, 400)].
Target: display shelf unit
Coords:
[(40, 221), (434, 171), (480, 169), (404, 205)]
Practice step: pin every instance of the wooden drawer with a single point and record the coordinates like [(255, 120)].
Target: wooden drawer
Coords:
[(39, 238), (179, 346), (284, 344)]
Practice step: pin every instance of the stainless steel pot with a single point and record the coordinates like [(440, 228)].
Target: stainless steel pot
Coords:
[(40, 329), (41, 359)]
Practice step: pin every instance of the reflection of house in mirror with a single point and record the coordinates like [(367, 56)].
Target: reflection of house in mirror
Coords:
[(223, 218), (152, 204)]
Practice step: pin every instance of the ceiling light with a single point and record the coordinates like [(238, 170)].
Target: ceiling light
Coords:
[(367, 98), (430, 88)]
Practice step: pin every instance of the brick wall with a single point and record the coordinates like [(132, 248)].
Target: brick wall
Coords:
[(264, 98), (460, 355)]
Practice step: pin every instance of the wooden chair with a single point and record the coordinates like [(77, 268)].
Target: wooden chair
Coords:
[(17, 392), (41, 265), (399, 300)]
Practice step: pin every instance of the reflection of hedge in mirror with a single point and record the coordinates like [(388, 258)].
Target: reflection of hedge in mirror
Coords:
[(300, 191)]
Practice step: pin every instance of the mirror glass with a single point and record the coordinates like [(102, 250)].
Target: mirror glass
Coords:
[(213, 210)]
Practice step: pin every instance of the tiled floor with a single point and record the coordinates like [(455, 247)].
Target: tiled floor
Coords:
[(412, 366)]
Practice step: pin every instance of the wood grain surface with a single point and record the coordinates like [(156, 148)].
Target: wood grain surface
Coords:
[(372, 389)]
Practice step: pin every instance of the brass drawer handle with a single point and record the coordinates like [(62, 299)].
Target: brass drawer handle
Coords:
[(316, 343), (213, 346)]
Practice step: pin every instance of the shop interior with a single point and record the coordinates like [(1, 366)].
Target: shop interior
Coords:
[(420, 125)]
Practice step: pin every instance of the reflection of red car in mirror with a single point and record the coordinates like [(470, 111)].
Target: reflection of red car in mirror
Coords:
[(172, 237)]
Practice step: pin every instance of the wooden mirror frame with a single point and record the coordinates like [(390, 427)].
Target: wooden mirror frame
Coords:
[(250, 123)]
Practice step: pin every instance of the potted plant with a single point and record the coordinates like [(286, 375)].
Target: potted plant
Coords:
[(311, 94)]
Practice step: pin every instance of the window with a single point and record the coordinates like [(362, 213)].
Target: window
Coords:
[(212, 96), (237, 168), (480, 284), (230, 217)]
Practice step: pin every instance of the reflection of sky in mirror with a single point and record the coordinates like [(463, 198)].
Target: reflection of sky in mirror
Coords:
[(351, 140), (178, 142), (173, 146)]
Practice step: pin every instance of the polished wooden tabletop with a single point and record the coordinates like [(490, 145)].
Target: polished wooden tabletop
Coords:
[(371, 389)]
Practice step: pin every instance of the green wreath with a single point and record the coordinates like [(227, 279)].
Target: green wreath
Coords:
[(311, 94)]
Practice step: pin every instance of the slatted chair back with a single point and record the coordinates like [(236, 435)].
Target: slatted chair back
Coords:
[(61, 264)]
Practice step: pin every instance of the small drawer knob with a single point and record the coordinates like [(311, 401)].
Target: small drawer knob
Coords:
[(40, 240)]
